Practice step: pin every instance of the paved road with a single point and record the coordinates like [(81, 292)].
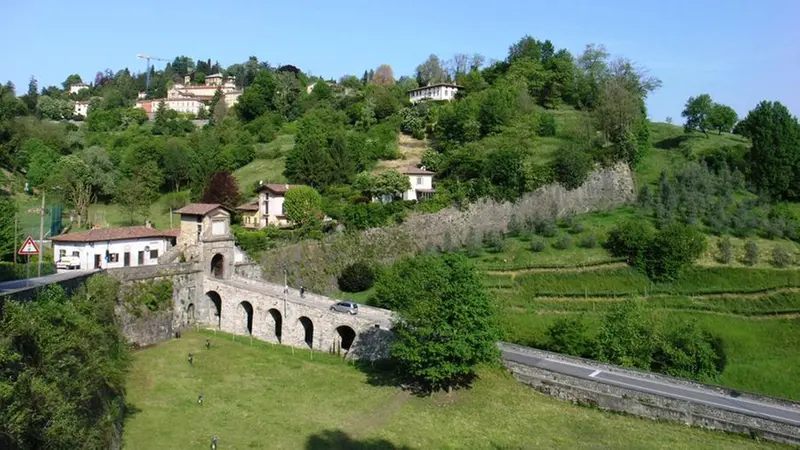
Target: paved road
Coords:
[(706, 397), (7, 286)]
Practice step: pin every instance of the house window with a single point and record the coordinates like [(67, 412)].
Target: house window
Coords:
[(113, 257), (419, 181), (62, 253), (153, 254), (76, 253)]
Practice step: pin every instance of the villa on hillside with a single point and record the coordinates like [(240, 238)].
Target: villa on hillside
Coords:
[(436, 92), (268, 209), (191, 99), (108, 248), (421, 183), (77, 87)]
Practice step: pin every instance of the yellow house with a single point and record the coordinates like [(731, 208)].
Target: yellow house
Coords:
[(249, 213)]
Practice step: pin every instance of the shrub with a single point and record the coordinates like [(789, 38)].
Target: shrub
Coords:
[(515, 226), (547, 125), (568, 221), (577, 228), (725, 249), (630, 240), (546, 228), (473, 244), (571, 167), (494, 242), (781, 257), (538, 245), (563, 243), (568, 336), (688, 351), (356, 277), (588, 241), (674, 248), (175, 200), (750, 253)]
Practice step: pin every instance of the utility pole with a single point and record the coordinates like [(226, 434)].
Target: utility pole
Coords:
[(41, 236), (16, 235)]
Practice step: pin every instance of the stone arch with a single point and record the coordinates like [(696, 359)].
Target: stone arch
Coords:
[(308, 331), (244, 317), (277, 323), (214, 308), (218, 266), (190, 314), (345, 336)]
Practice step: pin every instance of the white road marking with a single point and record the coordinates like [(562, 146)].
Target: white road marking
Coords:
[(594, 374)]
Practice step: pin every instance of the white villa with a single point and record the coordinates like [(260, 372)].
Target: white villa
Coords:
[(421, 183), (77, 87), (268, 209), (108, 248), (190, 99), (441, 91)]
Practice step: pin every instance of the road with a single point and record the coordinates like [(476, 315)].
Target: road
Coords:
[(7, 286), (706, 397)]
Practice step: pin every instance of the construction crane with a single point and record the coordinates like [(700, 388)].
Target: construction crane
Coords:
[(148, 58)]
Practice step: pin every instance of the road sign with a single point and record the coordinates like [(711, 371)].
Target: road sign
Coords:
[(29, 247)]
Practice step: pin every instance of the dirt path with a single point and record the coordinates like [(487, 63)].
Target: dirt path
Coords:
[(567, 269)]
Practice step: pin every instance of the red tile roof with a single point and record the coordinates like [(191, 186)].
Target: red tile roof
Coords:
[(252, 206), (114, 234), (199, 209), (276, 188), (413, 170)]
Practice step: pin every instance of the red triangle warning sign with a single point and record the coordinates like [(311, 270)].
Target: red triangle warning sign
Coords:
[(29, 247)]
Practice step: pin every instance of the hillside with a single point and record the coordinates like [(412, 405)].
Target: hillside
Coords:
[(254, 386)]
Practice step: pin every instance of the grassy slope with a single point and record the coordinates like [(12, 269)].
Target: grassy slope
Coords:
[(262, 396)]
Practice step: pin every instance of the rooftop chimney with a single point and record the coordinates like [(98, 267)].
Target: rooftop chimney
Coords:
[(260, 182), (147, 224)]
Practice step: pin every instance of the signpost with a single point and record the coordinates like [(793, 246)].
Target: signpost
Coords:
[(28, 248)]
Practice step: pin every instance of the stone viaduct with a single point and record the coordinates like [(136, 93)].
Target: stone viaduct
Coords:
[(217, 288)]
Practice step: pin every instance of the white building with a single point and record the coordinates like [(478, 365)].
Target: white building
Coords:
[(270, 204), (442, 92), (81, 108), (77, 87), (421, 183), (108, 248), (191, 99)]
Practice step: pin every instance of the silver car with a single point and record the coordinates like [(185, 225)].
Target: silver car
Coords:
[(346, 307)]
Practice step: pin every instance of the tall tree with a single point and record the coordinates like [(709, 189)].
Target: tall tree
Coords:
[(259, 97), (447, 323), (31, 99), (696, 112), (135, 192), (8, 241), (72, 79), (70, 181), (223, 188), (177, 165), (303, 205), (383, 75), (722, 118), (774, 158), (431, 71), (526, 47)]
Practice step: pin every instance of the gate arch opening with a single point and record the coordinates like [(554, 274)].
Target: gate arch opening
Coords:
[(245, 317), (218, 266), (346, 336), (277, 322), (214, 308), (190, 314), (308, 328)]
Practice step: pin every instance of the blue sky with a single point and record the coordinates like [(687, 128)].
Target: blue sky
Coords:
[(739, 51)]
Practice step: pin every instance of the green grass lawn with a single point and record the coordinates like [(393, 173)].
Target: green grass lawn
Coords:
[(263, 396)]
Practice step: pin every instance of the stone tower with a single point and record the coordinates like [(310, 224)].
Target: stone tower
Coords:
[(205, 238)]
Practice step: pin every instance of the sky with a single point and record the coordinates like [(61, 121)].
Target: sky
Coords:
[(738, 51)]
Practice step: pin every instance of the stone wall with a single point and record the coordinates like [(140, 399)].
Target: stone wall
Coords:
[(316, 264), (146, 330), (606, 396)]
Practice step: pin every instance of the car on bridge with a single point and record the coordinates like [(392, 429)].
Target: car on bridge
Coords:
[(346, 307)]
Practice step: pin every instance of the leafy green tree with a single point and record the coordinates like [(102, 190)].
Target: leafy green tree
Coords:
[(42, 159), (8, 241), (288, 93), (71, 181), (674, 248), (504, 169), (571, 167), (356, 277), (568, 336), (64, 366), (54, 108), (526, 47), (630, 240), (496, 110), (72, 79), (447, 323), (774, 158), (627, 335), (390, 183), (431, 71), (31, 99), (722, 118), (697, 112), (302, 205), (259, 97), (686, 350), (177, 163), (137, 190)]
